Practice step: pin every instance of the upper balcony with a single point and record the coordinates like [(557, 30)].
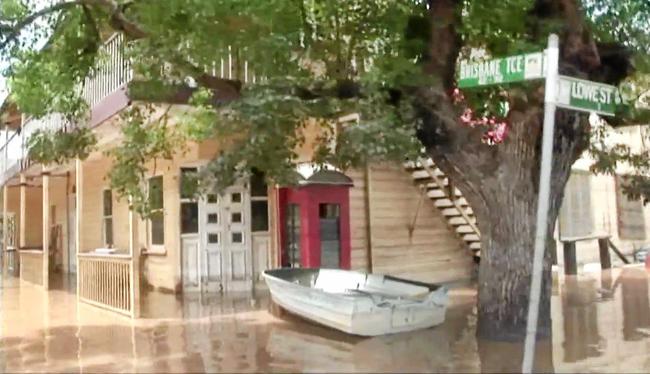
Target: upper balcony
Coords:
[(107, 93), (104, 92)]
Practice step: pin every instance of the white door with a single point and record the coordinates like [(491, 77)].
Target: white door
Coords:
[(72, 234), (190, 257), (224, 226)]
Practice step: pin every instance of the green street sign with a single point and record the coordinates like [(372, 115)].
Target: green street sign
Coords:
[(501, 70), (587, 96)]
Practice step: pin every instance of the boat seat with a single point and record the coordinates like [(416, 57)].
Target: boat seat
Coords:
[(337, 281)]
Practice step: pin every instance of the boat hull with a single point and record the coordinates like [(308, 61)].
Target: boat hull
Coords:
[(356, 310)]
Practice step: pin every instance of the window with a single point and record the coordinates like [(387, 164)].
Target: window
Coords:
[(107, 218), (292, 249), (189, 206), (631, 220), (330, 235), (258, 184), (259, 202), (576, 218), (213, 238), (157, 219), (237, 238), (259, 215)]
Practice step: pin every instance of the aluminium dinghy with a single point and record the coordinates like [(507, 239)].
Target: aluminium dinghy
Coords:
[(358, 303)]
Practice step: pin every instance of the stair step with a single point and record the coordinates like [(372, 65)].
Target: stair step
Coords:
[(459, 220), (423, 174), (453, 212), (471, 238), (410, 165), (436, 192), (432, 185), (475, 246), (464, 229), (446, 203)]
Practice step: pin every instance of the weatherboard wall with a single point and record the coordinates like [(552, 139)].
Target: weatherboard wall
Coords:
[(431, 253)]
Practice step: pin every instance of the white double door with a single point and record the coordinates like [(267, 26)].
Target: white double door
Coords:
[(224, 242)]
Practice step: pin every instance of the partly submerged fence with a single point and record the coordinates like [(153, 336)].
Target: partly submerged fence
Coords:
[(107, 281)]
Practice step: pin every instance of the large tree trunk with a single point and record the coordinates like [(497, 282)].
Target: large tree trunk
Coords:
[(501, 182)]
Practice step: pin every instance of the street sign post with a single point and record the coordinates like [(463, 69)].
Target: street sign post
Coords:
[(550, 99), (560, 91), (501, 70)]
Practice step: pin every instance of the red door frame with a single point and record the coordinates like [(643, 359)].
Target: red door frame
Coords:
[(308, 198)]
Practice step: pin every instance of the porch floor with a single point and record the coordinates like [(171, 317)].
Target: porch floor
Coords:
[(601, 323)]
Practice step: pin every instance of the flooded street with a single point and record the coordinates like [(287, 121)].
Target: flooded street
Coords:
[(601, 323)]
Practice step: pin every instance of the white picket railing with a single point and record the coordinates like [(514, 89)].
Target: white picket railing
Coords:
[(106, 281), (112, 73)]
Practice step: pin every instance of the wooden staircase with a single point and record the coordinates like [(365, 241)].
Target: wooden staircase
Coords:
[(449, 200)]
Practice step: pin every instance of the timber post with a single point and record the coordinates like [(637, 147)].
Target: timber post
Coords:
[(46, 231), (134, 250), (78, 215), (605, 258), (5, 228), (570, 264)]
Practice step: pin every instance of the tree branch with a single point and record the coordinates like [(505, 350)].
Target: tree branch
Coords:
[(119, 21), (18, 27)]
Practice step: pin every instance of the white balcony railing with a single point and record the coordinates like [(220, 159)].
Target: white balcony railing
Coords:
[(112, 73)]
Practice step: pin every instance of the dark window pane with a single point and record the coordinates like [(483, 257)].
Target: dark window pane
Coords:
[(259, 215), (213, 238), (189, 182), (258, 184), (293, 236), (237, 237), (213, 218), (157, 228), (108, 231), (108, 203), (330, 237), (235, 217), (189, 218), (156, 192), (212, 198), (329, 210), (235, 197)]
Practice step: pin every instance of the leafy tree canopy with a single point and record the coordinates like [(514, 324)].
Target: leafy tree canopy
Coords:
[(310, 59)]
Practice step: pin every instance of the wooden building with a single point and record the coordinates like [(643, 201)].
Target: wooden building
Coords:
[(406, 220)]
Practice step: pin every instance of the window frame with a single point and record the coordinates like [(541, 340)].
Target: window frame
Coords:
[(259, 198), (156, 248), (584, 202), (624, 231), (184, 200), (107, 217)]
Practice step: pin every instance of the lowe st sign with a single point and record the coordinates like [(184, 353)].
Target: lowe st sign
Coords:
[(501, 70), (586, 96)]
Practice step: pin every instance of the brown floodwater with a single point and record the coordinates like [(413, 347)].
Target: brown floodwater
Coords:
[(601, 323)]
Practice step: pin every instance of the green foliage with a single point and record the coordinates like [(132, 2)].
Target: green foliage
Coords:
[(313, 61), (62, 146), (145, 141)]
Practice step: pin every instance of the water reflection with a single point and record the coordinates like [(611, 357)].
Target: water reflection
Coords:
[(635, 303), (596, 328), (580, 317)]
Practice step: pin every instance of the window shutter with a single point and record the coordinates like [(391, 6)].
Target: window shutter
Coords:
[(631, 220), (576, 218)]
